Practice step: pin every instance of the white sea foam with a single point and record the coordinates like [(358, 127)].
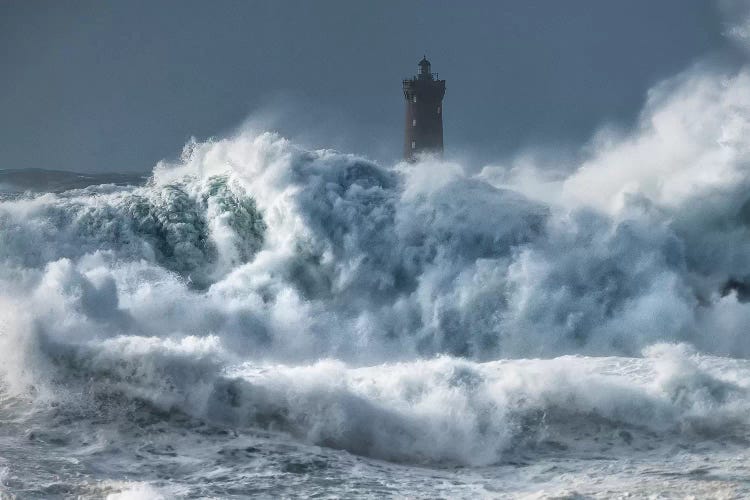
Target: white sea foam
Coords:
[(417, 314), (138, 491)]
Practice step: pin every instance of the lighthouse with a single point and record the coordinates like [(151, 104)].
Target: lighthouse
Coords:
[(423, 129)]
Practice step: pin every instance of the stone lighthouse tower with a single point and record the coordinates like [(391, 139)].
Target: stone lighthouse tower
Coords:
[(424, 112)]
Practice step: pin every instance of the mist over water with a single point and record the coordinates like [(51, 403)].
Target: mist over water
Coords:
[(284, 313)]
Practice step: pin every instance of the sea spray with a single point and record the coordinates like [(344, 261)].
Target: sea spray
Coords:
[(257, 292)]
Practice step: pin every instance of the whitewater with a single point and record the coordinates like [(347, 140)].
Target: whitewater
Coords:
[(259, 319)]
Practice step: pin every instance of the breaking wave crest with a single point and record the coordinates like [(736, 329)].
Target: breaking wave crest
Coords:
[(177, 225), (391, 312)]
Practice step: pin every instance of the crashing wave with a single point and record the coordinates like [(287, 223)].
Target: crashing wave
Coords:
[(179, 226), (218, 286)]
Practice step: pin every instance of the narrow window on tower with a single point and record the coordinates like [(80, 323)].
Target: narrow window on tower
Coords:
[(413, 144), (438, 109), (414, 123), (415, 98)]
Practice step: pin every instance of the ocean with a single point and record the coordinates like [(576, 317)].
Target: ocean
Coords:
[(257, 319)]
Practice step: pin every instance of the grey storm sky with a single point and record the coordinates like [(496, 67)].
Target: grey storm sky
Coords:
[(117, 86)]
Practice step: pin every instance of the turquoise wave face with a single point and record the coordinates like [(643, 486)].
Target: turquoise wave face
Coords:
[(168, 225)]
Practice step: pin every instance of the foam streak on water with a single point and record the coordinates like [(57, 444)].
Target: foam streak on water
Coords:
[(261, 319)]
